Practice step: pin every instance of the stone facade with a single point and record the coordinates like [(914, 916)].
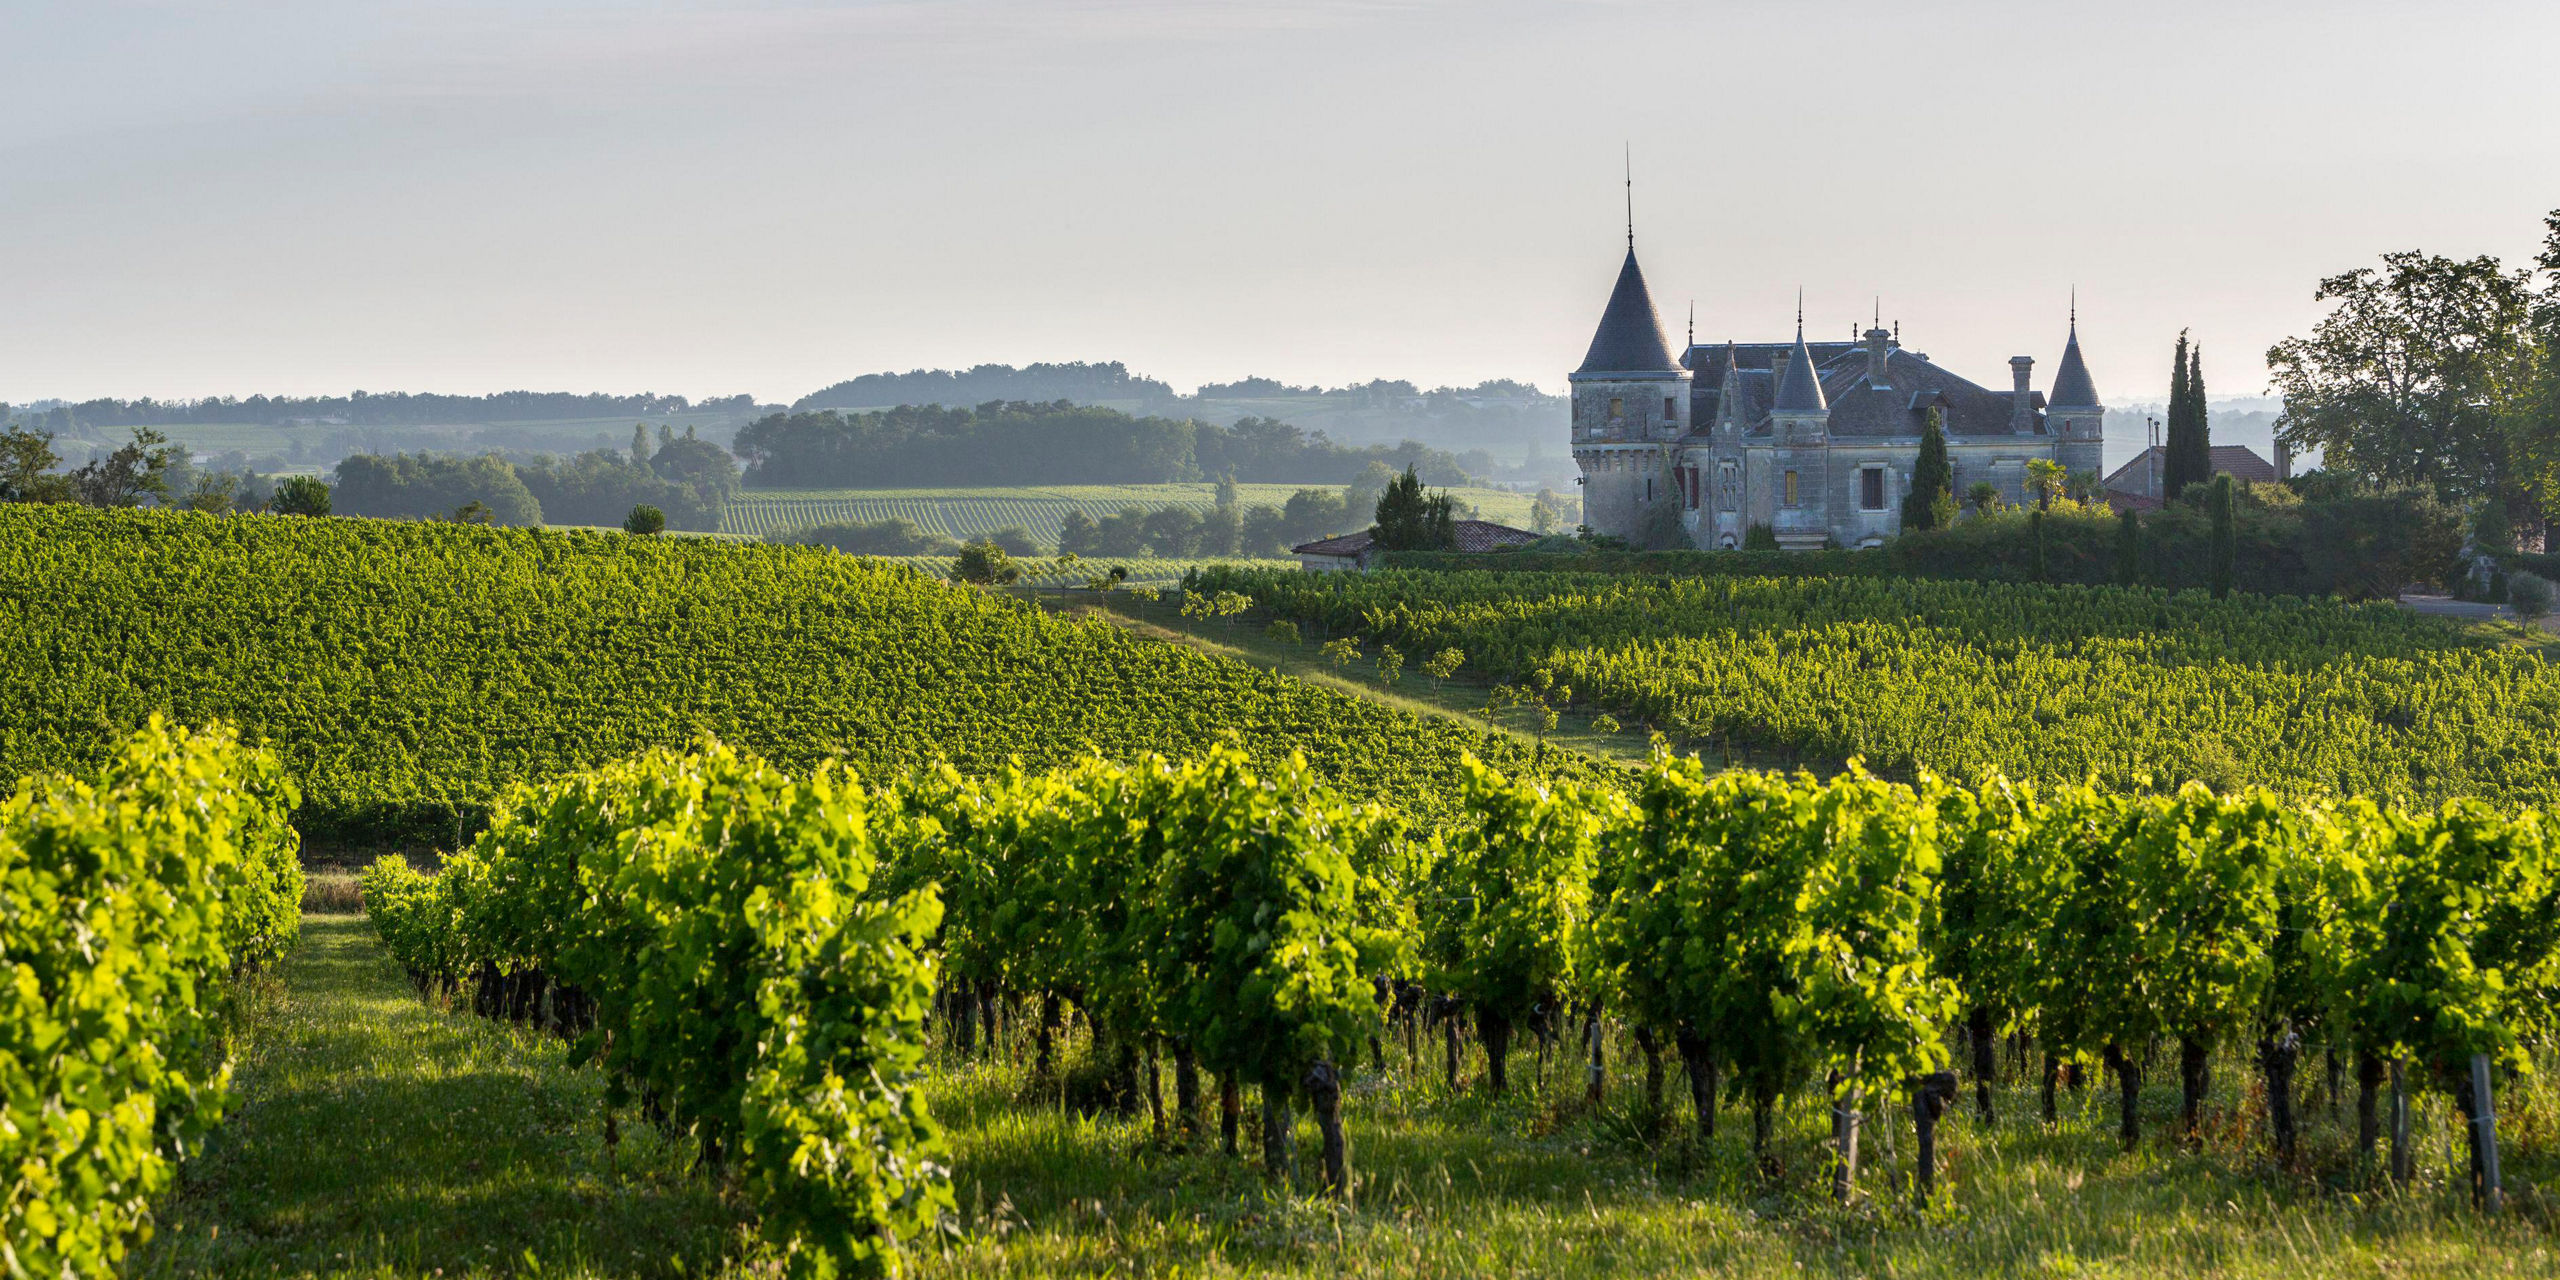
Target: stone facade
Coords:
[(1814, 440)]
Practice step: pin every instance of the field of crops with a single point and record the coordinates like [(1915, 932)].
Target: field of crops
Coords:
[(1044, 571), (2134, 688), (762, 1012), (975, 513), (1807, 949), (407, 672)]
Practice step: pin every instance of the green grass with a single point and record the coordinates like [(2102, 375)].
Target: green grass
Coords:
[(971, 513), (373, 1135), (376, 1136)]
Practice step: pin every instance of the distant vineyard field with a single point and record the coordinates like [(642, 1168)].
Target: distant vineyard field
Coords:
[(975, 513), (1041, 571)]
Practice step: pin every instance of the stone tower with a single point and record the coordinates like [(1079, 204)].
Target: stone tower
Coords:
[(1630, 407), (2077, 419), (1800, 496)]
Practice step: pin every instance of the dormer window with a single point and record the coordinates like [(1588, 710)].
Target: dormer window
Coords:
[(1671, 408), (1617, 407)]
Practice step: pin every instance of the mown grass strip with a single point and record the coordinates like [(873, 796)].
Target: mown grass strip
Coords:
[(376, 1135)]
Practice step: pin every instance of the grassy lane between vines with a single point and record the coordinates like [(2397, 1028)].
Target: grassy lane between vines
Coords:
[(376, 1136), (373, 1135)]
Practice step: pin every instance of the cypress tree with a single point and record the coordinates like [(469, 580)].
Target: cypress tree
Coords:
[(2174, 477), (1931, 503), (2225, 548), (2128, 547), (2198, 464)]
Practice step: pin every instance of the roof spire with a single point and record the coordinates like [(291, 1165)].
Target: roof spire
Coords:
[(2075, 308), (1693, 322), (1879, 311), (1631, 195), (1799, 388)]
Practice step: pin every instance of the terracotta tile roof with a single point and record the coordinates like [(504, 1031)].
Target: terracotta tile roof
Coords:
[(2238, 461)]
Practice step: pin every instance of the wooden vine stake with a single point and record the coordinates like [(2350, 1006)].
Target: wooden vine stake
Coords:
[(2400, 1153), (2484, 1137), (1931, 1095), (1324, 1089)]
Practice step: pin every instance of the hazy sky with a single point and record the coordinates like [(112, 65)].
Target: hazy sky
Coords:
[(305, 196)]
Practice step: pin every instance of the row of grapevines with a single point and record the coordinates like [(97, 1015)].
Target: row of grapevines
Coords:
[(714, 933), (407, 673), (1235, 912), (2134, 688), (1776, 930), (129, 899)]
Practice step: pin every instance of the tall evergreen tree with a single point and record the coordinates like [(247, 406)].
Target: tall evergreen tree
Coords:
[(1410, 520), (2198, 463), (1931, 503), (2175, 475), (2128, 547)]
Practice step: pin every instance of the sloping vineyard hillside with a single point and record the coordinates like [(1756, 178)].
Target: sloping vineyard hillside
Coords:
[(2132, 688), (405, 673), (975, 513)]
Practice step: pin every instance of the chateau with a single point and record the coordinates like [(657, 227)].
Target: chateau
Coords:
[(1815, 440)]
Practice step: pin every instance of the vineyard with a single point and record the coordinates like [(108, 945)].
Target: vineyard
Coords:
[(815, 916), (1777, 936), (2132, 688), (407, 673), (965, 514), (1047, 571), (132, 900)]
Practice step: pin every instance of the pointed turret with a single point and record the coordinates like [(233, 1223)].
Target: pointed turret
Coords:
[(1630, 337), (2072, 387), (1800, 387)]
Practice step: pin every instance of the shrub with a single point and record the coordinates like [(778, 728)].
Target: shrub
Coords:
[(985, 564), (645, 520), (1283, 630), (1760, 537), (2529, 594), (300, 496)]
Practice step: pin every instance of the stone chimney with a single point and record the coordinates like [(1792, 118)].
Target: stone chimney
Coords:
[(2284, 461), (2022, 410), (1879, 347)]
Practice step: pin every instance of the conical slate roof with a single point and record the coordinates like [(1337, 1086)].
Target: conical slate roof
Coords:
[(2072, 388), (1630, 338), (1800, 388)]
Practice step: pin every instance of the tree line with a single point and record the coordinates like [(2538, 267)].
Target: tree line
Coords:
[(685, 477), (1021, 443), (388, 409)]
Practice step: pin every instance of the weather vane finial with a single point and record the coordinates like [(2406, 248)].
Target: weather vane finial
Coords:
[(2075, 308), (1631, 197), (1799, 311)]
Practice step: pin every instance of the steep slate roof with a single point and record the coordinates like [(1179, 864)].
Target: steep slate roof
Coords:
[(2072, 387), (1856, 409), (1901, 407), (1800, 387), (1630, 336)]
